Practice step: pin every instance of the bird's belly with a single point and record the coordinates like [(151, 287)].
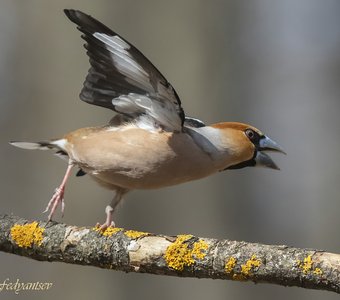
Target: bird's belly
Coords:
[(138, 159), (128, 180)]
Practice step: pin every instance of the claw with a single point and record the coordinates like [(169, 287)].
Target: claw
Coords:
[(62, 207), (109, 222), (110, 209)]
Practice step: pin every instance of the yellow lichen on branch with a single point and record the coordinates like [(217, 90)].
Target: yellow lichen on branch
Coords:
[(245, 270), (109, 231), (230, 265), (135, 234), (199, 250), (182, 253), (178, 255), (307, 266), (27, 235), (317, 271), (251, 264)]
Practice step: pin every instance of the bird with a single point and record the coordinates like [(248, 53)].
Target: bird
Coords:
[(150, 142)]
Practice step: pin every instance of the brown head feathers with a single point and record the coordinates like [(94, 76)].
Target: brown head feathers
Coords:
[(235, 125)]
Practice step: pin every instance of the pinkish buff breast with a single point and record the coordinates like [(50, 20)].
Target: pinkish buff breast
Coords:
[(139, 159)]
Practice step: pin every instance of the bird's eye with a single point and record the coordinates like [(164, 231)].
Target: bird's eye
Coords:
[(253, 136), (250, 133)]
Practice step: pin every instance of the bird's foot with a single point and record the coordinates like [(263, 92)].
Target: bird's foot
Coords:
[(103, 227), (57, 198), (109, 221)]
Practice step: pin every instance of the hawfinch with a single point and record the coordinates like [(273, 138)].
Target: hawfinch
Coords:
[(150, 143)]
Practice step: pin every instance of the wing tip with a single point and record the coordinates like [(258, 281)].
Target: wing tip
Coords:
[(70, 13), (79, 18), (86, 23), (73, 14)]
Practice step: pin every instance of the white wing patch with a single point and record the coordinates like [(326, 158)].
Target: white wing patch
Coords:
[(143, 122), (135, 104), (114, 41), (123, 60), (163, 112)]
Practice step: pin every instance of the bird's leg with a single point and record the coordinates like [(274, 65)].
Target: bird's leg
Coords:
[(58, 196), (109, 210)]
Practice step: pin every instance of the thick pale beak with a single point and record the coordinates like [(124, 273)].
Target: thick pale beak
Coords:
[(267, 144), (263, 159)]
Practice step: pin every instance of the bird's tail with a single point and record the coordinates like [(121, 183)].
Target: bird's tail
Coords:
[(57, 145), (45, 145)]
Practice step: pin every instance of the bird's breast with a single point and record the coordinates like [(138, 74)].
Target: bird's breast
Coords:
[(135, 158)]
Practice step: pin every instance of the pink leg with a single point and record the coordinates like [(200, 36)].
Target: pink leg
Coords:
[(58, 196), (109, 219), (110, 209)]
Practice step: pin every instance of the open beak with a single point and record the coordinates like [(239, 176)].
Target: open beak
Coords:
[(263, 159)]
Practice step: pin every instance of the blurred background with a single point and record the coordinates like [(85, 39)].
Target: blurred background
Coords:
[(273, 64)]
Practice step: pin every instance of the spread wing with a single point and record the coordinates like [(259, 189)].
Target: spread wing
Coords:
[(121, 78)]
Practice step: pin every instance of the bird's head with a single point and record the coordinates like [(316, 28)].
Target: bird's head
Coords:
[(247, 146)]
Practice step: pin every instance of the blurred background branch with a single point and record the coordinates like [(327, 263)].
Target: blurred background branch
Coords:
[(182, 255)]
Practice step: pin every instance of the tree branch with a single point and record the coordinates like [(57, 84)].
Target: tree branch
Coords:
[(182, 255)]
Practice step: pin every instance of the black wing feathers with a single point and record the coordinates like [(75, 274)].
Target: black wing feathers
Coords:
[(120, 75)]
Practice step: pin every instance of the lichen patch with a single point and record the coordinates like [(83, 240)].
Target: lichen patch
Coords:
[(27, 235), (181, 253), (109, 231), (308, 266), (317, 271), (135, 234), (250, 266), (243, 271), (199, 249), (230, 265)]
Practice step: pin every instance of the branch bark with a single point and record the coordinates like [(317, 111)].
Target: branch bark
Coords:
[(182, 255)]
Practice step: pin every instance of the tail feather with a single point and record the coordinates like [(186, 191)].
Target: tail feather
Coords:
[(48, 145), (33, 146)]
